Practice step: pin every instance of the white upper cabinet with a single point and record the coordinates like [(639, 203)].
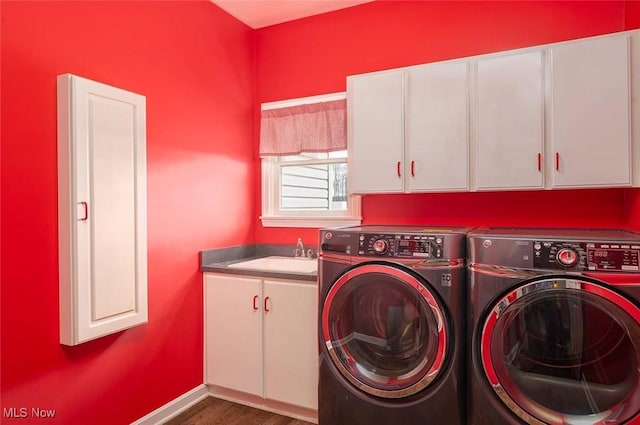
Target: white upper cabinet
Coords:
[(438, 127), (590, 113), (101, 209), (375, 119), (543, 117), (408, 129), (509, 122)]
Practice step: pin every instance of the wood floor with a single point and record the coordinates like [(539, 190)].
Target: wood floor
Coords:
[(213, 411)]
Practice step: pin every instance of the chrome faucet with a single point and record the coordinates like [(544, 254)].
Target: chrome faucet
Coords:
[(299, 251)]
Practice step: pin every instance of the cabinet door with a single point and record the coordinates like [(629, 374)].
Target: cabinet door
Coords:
[(509, 122), (291, 343), (101, 209), (233, 337), (375, 104), (438, 127), (590, 113)]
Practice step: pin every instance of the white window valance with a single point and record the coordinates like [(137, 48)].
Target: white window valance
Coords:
[(313, 127)]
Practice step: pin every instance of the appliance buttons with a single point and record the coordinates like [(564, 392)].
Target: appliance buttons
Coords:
[(567, 257), (380, 246)]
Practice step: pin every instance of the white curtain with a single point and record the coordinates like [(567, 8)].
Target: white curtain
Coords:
[(315, 127)]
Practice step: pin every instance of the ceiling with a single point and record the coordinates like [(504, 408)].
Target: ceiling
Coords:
[(262, 13)]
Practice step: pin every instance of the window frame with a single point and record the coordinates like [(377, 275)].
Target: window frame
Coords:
[(272, 215)]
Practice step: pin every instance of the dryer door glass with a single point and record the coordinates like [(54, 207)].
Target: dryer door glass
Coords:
[(564, 351), (385, 330)]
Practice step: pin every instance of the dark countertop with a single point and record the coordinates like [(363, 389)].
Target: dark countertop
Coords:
[(218, 261)]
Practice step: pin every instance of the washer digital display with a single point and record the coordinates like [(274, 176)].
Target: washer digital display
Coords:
[(599, 258)]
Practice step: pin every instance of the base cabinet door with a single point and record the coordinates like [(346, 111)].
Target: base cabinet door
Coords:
[(261, 337), (233, 330), (290, 343)]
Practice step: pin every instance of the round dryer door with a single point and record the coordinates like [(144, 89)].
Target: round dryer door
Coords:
[(564, 351), (385, 330)]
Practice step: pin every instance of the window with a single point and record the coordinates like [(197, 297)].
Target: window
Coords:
[(305, 189)]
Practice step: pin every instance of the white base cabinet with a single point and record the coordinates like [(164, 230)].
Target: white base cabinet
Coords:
[(261, 337)]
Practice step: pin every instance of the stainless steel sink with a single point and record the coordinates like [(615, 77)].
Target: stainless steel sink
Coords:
[(279, 264)]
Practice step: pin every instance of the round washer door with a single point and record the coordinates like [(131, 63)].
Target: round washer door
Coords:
[(564, 351), (385, 330)]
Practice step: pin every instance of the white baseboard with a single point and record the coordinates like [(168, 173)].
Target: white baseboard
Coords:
[(297, 412), (174, 407)]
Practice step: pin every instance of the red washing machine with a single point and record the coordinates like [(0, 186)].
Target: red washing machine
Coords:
[(554, 327)]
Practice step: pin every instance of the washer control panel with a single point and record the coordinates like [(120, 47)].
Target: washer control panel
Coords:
[(401, 245), (594, 256)]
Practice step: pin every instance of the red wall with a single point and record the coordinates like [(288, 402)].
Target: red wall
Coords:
[(196, 66), (194, 63), (632, 208), (314, 55), (632, 14)]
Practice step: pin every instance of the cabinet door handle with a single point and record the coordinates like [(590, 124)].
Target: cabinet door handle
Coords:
[(539, 161), (413, 168), (398, 169), (255, 302), (266, 307), (557, 161), (85, 207)]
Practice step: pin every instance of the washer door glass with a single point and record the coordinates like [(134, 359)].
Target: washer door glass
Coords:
[(384, 330), (564, 351)]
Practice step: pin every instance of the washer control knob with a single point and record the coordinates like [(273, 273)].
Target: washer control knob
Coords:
[(567, 257), (380, 246)]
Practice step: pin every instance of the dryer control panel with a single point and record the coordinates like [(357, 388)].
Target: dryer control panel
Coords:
[(401, 245), (594, 256)]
